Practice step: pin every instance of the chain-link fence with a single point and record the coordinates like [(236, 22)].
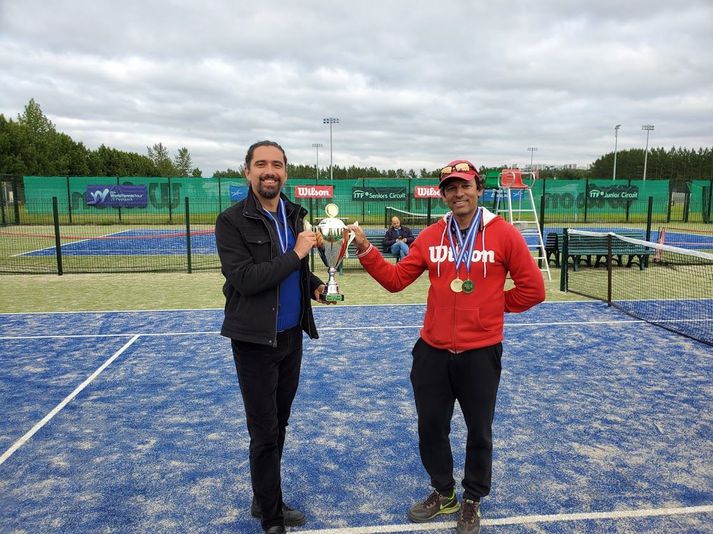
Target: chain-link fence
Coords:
[(64, 225)]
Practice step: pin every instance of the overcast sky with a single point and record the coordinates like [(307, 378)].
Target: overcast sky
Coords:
[(414, 83)]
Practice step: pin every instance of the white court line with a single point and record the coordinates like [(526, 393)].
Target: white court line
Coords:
[(20, 442), (519, 520), (62, 245), (47, 248)]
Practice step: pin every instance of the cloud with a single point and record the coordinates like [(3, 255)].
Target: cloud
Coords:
[(413, 83)]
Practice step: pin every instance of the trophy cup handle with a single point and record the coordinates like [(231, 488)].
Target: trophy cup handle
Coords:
[(351, 237)]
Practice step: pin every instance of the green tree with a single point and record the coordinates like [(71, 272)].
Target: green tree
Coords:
[(35, 120), (232, 173), (182, 162), (159, 155)]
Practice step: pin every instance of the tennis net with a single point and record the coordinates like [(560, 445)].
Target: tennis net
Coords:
[(410, 219), (672, 288)]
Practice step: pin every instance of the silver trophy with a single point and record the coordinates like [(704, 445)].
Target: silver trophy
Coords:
[(336, 239)]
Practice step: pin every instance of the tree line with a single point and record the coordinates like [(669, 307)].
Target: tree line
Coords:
[(32, 146)]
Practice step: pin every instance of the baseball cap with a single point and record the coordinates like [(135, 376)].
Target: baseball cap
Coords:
[(460, 168)]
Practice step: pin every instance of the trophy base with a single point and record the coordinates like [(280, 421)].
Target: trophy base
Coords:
[(333, 297)]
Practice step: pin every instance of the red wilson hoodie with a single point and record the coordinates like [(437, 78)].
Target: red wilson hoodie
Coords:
[(465, 321)]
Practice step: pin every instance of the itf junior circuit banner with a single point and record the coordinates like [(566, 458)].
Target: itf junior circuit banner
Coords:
[(117, 196)]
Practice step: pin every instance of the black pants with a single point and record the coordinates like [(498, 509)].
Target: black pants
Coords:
[(268, 380), (439, 378)]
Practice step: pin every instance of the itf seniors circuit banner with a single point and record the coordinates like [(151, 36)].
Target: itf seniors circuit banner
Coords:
[(117, 196), (379, 193)]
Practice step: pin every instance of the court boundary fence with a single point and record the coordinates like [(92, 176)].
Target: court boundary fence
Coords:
[(180, 238)]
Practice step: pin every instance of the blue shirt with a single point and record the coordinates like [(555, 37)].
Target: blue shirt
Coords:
[(289, 307)]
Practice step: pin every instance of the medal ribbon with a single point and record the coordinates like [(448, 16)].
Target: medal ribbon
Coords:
[(465, 246), (280, 211)]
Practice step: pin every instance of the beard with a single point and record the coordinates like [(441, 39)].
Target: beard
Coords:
[(269, 192)]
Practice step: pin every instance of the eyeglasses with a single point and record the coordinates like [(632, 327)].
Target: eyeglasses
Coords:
[(458, 167)]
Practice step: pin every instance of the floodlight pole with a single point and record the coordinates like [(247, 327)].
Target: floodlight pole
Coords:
[(616, 138), (317, 146), (647, 128), (330, 121), (532, 150)]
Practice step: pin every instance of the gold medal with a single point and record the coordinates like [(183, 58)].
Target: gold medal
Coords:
[(457, 285), (468, 286)]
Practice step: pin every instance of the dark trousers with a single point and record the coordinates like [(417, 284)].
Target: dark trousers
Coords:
[(439, 378), (268, 380)]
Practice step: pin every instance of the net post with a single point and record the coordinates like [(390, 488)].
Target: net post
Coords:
[(69, 200), (670, 201), (16, 200), (170, 201), (311, 221), (188, 236), (57, 239), (686, 204), (609, 270), (541, 222), (119, 208), (564, 263), (428, 211), (3, 222), (706, 204), (649, 216)]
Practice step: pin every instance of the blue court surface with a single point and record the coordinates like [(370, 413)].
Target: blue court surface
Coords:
[(151, 242), (132, 422)]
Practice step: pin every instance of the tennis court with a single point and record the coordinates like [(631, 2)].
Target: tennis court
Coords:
[(131, 422), (140, 242)]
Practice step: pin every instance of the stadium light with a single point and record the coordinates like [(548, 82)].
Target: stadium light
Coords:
[(616, 138), (317, 146), (330, 121), (532, 150), (648, 128)]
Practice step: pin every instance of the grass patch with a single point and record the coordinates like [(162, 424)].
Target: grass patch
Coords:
[(148, 291)]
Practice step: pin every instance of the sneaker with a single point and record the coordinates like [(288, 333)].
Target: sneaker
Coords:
[(435, 504), (469, 520), (291, 518)]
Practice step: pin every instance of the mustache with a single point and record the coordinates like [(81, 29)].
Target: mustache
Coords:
[(270, 176)]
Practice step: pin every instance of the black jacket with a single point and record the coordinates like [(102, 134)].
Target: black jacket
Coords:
[(254, 266), (392, 235)]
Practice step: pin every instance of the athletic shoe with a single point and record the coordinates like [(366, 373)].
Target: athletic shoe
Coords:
[(469, 520), (435, 504), (292, 518)]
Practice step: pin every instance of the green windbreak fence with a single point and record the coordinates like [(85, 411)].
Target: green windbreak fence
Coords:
[(62, 224), (701, 200), (363, 197)]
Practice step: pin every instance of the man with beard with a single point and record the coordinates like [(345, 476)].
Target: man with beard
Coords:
[(263, 249)]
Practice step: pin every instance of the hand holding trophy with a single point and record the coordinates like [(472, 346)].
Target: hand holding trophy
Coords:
[(336, 238)]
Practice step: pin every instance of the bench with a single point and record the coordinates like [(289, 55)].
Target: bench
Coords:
[(584, 248), (552, 248)]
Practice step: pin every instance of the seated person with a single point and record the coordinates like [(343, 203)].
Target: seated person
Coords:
[(397, 239)]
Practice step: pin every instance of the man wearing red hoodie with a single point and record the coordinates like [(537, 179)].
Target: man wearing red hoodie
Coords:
[(468, 254)]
